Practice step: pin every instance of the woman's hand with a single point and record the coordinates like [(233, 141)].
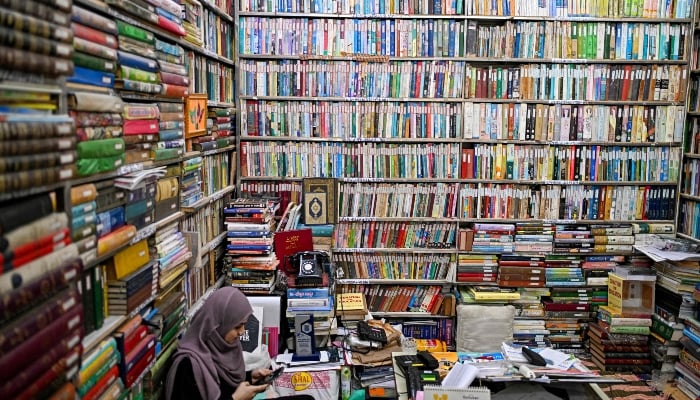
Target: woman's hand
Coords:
[(258, 374), (246, 391)]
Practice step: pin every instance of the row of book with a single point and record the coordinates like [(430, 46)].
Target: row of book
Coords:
[(408, 235), (573, 163), (691, 177), (455, 79), (618, 203), (395, 266), (582, 40), (380, 200), (461, 38), (689, 218), (542, 122), (403, 298), (547, 8), (507, 121), (210, 77)]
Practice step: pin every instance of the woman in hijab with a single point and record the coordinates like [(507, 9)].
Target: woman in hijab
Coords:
[(208, 363)]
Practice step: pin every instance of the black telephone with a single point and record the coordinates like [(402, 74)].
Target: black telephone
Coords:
[(309, 263)]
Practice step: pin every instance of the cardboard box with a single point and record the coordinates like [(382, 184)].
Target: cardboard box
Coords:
[(632, 294)]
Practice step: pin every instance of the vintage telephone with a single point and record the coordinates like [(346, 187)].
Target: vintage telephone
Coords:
[(309, 265)]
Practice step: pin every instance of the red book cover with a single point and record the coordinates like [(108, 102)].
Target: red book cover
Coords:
[(288, 243), (128, 343), (626, 79), (171, 26), (174, 79), (94, 35), (141, 365), (102, 384), (140, 127), (65, 368)]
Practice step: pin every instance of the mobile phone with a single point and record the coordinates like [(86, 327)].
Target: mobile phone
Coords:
[(274, 375)]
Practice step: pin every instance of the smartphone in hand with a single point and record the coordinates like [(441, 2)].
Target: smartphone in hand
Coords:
[(274, 375)]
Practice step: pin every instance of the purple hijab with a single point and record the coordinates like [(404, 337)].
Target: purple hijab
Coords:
[(213, 360)]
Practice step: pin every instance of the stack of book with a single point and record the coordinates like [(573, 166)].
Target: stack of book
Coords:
[(137, 348), (620, 342), (191, 181), (138, 70), (562, 270), (488, 294), (568, 334), (99, 372), (173, 73), (573, 238), (140, 189), (252, 262), (612, 238), (521, 271), (126, 293), (493, 238), (171, 139), (140, 131), (98, 122), (596, 268), (670, 309), (351, 307), (534, 237), (41, 320), (170, 249), (530, 332), (477, 268), (166, 325), (191, 21), (95, 42), (316, 301), (529, 305), (220, 124), (688, 364)]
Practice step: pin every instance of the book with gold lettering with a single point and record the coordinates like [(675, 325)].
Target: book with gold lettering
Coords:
[(288, 243)]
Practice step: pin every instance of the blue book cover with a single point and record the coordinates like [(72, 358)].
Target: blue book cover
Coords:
[(308, 293), (88, 76), (136, 61)]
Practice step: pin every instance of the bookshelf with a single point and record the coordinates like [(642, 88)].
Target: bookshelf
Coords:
[(114, 102), (436, 116), (689, 202)]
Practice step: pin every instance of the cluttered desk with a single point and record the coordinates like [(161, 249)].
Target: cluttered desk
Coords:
[(464, 375)]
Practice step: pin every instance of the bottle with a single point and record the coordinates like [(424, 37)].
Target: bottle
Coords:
[(345, 382)]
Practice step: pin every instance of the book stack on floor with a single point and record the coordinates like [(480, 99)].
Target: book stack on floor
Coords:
[(171, 139), (670, 310), (96, 44), (477, 268), (137, 348), (688, 364), (166, 324), (251, 262), (568, 334), (42, 311), (99, 373), (132, 279), (191, 181)]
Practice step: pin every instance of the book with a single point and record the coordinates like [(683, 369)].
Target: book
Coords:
[(288, 243)]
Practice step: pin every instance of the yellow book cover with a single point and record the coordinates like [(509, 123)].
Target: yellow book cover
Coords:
[(350, 301)]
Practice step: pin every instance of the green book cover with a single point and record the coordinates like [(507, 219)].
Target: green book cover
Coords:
[(135, 32), (88, 61), (135, 74)]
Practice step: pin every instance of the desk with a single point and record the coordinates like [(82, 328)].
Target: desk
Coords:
[(591, 383)]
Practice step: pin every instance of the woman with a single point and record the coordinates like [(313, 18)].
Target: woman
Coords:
[(208, 363)]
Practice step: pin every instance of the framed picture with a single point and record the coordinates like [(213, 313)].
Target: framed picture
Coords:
[(319, 201), (195, 115)]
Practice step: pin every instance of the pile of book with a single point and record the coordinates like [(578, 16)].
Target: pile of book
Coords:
[(137, 348), (191, 181), (477, 268), (316, 301), (99, 373), (493, 238), (96, 44), (562, 270), (170, 249), (220, 125), (521, 271), (529, 305), (191, 17), (41, 316), (670, 309), (612, 238), (113, 231), (573, 238), (140, 189), (567, 334), (351, 307), (127, 292), (173, 74), (596, 268), (620, 342), (169, 314), (530, 332), (488, 294), (137, 71), (534, 237), (164, 14), (171, 139), (251, 261), (689, 359)]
